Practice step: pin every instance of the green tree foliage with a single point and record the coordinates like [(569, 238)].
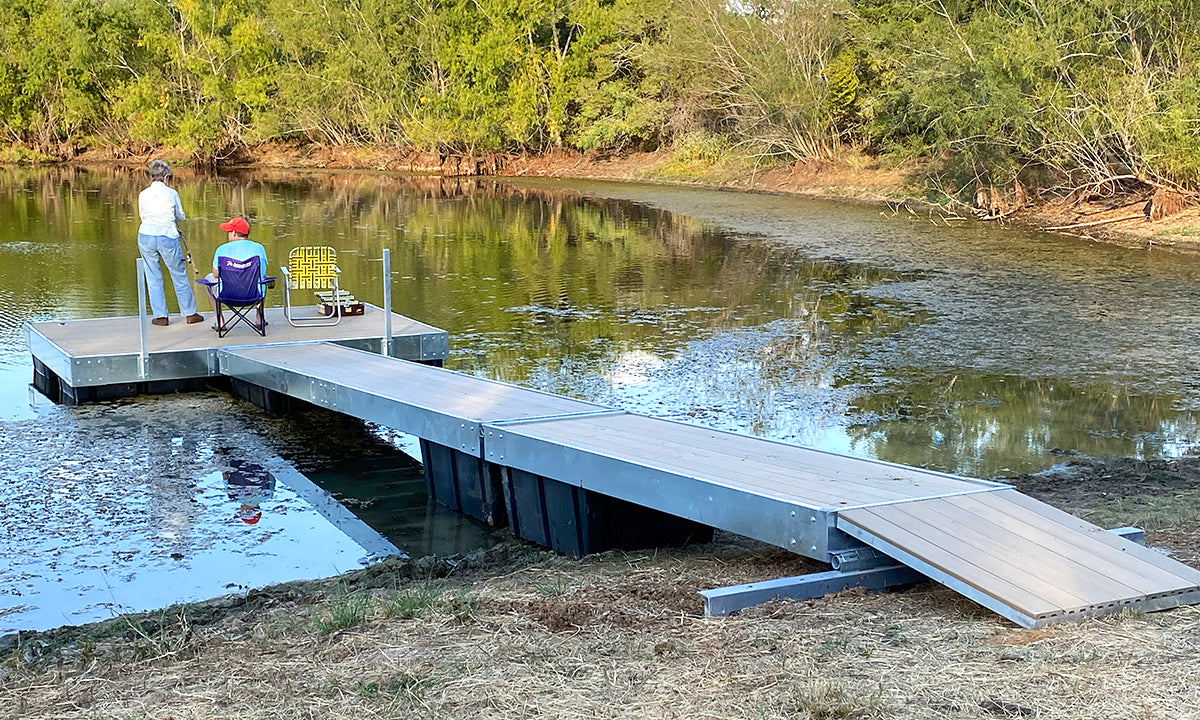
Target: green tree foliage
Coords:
[(210, 81), (348, 71), (763, 73), (1089, 92), (1091, 89), (613, 89), (61, 63)]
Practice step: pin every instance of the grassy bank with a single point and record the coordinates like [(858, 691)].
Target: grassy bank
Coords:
[(516, 632)]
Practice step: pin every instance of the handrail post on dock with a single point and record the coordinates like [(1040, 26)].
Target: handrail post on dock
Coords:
[(387, 302), (143, 355)]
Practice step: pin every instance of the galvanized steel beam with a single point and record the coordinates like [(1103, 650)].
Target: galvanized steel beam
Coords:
[(726, 600)]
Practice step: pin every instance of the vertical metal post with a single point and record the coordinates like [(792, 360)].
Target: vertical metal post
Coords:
[(143, 354), (387, 302)]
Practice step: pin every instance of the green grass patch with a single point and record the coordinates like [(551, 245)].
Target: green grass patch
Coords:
[(21, 155), (425, 598), (158, 635), (1178, 232), (1149, 512), (462, 607), (412, 602), (552, 587), (405, 686), (699, 156), (823, 701), (346, 611)]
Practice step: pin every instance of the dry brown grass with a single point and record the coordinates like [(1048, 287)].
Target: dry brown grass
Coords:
[(620, 636)]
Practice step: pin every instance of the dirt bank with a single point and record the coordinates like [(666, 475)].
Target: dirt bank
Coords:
[(516, 632), (1122, 218), (1099, 214)]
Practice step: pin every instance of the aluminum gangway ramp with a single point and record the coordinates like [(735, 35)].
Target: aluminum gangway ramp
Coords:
[(1021, 558), (1025, 560)]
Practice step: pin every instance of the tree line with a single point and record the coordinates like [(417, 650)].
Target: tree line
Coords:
[(1061, 92)]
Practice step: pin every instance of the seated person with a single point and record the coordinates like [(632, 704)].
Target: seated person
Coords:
[(238, 247)]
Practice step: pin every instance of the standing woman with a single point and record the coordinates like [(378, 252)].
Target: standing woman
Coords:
[(158, 237)]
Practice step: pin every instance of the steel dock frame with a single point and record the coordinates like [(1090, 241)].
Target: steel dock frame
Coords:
[(581, 477)]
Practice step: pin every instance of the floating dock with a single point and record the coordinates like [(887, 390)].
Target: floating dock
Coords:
[(581, 477), (78, 361)]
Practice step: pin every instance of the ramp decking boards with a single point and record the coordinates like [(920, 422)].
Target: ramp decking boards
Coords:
[(1022, 558)]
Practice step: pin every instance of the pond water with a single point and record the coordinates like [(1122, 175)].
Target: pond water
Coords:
[(962, 347)]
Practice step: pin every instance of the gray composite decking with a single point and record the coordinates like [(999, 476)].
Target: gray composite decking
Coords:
[(669, 449), (106, 351), (776, 492), (1022, 558), (439, 405)]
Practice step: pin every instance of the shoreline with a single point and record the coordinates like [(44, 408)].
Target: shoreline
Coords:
[(1123, 220)]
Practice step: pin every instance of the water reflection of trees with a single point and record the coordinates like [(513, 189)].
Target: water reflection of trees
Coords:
[(567, 292), (985, 425), (523, 277)]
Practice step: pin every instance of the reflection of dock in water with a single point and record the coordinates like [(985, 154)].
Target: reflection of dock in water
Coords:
[(582, 478), (389, 494)]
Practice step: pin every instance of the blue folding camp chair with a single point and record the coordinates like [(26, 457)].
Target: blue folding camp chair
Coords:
[(240, 289)]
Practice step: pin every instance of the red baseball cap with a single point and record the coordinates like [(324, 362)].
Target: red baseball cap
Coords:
[(249, 514), (237, 225)]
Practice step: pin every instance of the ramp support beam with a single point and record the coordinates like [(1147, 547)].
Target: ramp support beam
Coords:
[(726, 600), (863, 567)]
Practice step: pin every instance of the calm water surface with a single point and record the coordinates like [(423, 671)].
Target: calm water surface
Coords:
[(971, 349)]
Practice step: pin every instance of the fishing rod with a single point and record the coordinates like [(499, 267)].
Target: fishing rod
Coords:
[(187, 255)]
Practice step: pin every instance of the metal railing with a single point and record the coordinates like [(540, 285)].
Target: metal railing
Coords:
[(143, 321), (387, 302)]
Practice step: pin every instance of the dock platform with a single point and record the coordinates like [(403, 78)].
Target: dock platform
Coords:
[(86, 360)]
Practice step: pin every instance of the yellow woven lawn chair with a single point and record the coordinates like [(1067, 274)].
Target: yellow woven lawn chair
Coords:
[(315, 268)]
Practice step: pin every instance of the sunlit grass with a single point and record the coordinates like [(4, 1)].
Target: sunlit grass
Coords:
[(1149, 512), (411, 603), (699, 156)]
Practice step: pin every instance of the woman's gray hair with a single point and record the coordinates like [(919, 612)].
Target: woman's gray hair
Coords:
[(159, 170)]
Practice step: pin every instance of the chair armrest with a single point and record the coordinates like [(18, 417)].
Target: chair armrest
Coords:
[(206, 281), (269, 281)]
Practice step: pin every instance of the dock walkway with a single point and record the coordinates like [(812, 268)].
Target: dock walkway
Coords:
[(498, 451), (1019, 557)]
